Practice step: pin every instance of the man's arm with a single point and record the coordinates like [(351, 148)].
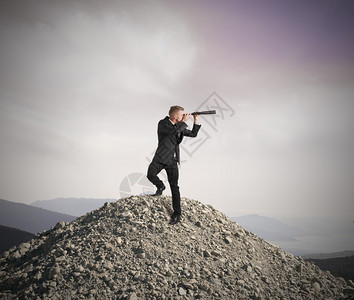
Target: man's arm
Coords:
[(165, 128), (195, 129), (193, 132), (181, 126)]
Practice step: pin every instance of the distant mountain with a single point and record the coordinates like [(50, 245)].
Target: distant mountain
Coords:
[(316, 226), (10, 237), (267, 228), (29, 218), (302, 236), (72, 206), (328, 255), (339, 266)]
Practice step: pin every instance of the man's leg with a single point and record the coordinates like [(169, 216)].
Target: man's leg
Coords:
[(154, 169), (172, 175)]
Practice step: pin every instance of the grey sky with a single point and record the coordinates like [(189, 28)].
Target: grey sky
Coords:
[(84, 83)]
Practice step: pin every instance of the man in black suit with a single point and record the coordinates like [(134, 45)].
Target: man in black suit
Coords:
[(171, 131)]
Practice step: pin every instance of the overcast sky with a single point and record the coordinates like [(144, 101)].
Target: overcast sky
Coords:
[(83, 85)]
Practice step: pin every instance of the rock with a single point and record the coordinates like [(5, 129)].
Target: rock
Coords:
[(132, 296), (108, 265), (316, 287), (38, 276), (187, 285), (342, 280), (80, 269), (16, 254), (25, 246), (59, 225), (226, 233), (240, 282), (350, 283), (216, 253), (54, 271), (265, 279), (193, 281), (207, 253), (138, 277), (228, 240), (60, 258), (182, 291), (127, 214), (300, 269)]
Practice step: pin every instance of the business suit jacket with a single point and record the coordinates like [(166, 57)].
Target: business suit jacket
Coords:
[(170, 136)]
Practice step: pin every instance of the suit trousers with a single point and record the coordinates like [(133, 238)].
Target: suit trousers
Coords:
[(172, 176)]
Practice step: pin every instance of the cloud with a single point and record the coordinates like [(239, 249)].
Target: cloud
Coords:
[(84, 83), (66, 68)]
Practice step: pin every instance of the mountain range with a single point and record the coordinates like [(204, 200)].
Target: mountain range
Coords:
[(29, 218), (71, 206), (269, 228), (10, 237), (302, 236)]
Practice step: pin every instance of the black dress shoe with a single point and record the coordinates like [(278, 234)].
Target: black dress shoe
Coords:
[(159, 191), (175, 219)]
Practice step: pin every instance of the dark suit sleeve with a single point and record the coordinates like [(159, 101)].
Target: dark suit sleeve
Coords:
[(166, 129), (193, 132)]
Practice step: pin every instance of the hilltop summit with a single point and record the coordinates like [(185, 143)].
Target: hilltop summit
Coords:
[(127, 250)]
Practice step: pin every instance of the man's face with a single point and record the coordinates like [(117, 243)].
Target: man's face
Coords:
[(179, 116)]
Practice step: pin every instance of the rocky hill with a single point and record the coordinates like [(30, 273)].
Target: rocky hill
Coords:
[(10, 237), (127, 250)]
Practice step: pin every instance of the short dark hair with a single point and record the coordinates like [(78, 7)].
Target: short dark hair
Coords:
[(174, 109)]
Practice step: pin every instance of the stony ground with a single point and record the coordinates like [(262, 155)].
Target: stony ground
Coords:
[(127, 250)]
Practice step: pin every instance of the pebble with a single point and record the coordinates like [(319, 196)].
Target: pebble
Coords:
[(228, 240), (132, 296), (182, 291), (215, 253), (317, 287), (207, 253), (187, 285)]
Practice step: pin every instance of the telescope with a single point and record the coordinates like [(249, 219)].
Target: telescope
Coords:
[(205, 112)]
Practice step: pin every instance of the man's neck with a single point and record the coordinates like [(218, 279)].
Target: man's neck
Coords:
[(173, 121)]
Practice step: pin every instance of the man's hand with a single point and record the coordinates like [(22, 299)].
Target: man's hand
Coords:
[(185, 117), (195, 118)]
